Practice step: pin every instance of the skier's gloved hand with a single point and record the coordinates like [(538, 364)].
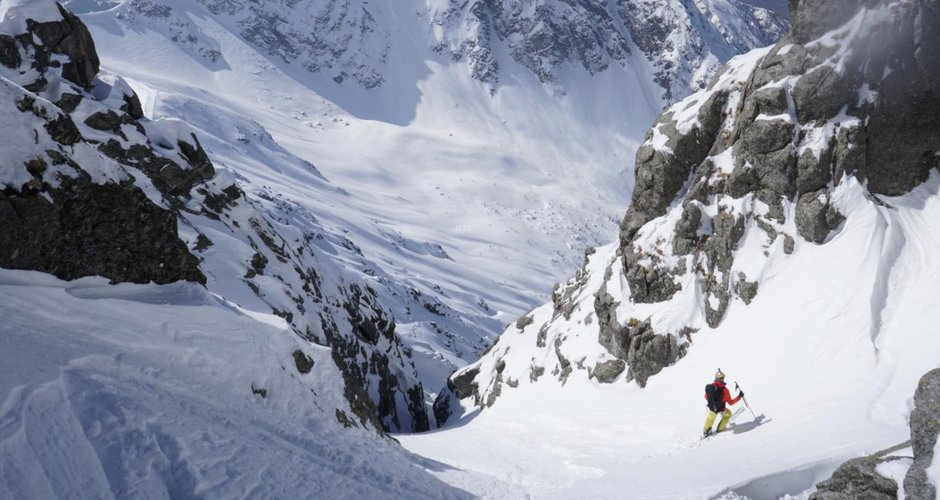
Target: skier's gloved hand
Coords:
[(740, 393)]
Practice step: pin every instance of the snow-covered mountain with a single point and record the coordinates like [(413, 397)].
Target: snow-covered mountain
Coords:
[(682, 41), (266, 319), (385, 99), (782, 228)]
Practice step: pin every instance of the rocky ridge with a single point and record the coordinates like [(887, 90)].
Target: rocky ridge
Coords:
[(93, 187), (734, 174), (684, 42)]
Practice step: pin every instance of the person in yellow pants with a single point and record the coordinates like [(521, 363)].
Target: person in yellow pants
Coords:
[(717, 395), (710, 421)]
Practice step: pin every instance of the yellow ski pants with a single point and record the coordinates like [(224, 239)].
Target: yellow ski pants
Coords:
[(710, 420)]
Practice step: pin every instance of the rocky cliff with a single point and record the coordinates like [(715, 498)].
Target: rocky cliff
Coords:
[(740, 172), (90, 186), (70, 205)]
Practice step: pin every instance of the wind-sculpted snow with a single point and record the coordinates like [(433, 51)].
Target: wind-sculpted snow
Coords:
[(117, 391)]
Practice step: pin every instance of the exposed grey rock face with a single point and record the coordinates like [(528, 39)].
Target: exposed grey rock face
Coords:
[(857, 479), (652, 283), (66, 224), (816, 217), (461, 385), (644, 351), (800, 124), (925, 429), (607, 372), (662, 171)]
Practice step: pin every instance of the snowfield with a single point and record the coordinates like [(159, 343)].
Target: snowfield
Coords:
[(145, 391), (829, 371)]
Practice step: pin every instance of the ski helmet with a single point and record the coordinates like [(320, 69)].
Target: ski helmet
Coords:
[(719, 375)]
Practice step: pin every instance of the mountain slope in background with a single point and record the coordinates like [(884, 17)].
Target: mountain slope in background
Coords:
[(384, 98), (782, 228)]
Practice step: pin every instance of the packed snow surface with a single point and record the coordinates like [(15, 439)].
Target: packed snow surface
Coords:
[(829, 353)]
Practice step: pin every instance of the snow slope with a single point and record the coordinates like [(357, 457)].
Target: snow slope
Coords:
[(829, 371), (145, 391), (802, 268)]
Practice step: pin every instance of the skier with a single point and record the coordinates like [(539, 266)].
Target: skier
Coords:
[(718, 396)]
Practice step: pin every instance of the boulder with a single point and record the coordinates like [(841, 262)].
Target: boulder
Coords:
[(816, 217), (9, 54), (71, 38), (607, 372), (857, 480)]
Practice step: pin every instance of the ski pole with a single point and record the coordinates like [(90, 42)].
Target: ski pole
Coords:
[(738, 388)]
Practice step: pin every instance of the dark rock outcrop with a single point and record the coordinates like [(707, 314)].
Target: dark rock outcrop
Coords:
[(649, 283), (925, 429), (816, 218), (644, 351), (69, 37), (9, 54), (857, 479), (461, 385), (107, 230), (303, 362), (661, 172), (75, 227)]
